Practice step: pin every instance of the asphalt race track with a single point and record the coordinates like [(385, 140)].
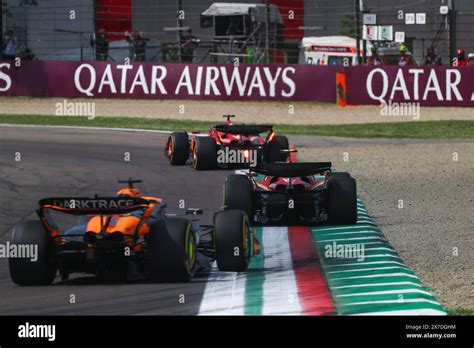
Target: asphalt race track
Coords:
[(84, 162), (285, 278)]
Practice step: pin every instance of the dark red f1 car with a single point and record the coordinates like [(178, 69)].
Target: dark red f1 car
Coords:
[(227, 146), (293, 194)]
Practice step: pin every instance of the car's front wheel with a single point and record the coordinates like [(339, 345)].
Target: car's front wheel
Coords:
[(172, 250), (232, 240), (238, 194)]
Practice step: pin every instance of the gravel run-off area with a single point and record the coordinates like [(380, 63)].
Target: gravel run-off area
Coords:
[(248, 111), (434, 231)]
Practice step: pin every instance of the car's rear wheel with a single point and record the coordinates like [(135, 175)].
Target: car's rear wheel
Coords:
[(177, 148), (238, 194), (25, 271), (172, 250), (275, 147), (342, 208), (204, 153), (232, 241)]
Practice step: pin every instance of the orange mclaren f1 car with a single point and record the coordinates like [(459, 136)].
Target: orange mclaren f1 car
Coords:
[(127, 236)]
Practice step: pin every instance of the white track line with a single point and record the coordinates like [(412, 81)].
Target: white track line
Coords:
[(387, 292), (383, 255), (88, 128), (376, 284), (379, 276), (319, 229), (356, 232), (280, 291), (365, 263), (414, 300), (380, 248), (370, 269), (427, 311), (222, 295), (359, 238)]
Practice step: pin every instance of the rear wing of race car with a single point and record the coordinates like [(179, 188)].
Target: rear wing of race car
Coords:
[(94, 206), (292, 170), (243, 129)]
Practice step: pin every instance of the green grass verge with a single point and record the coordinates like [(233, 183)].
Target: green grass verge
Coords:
[(461, 312), (413, 130)]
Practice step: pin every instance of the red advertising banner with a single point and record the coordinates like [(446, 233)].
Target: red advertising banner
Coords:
[(428, 86), (168, 81), (433, 86)]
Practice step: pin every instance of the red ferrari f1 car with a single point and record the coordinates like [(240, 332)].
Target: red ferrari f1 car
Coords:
[(127, 236), (227, 146), (293, 194)]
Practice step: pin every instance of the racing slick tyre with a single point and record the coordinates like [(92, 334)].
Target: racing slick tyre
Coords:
[(238, 194), (232, 240), (177, 148), (342, 199), (274, 149), (24, 271), (204, 153), (172, 250)]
